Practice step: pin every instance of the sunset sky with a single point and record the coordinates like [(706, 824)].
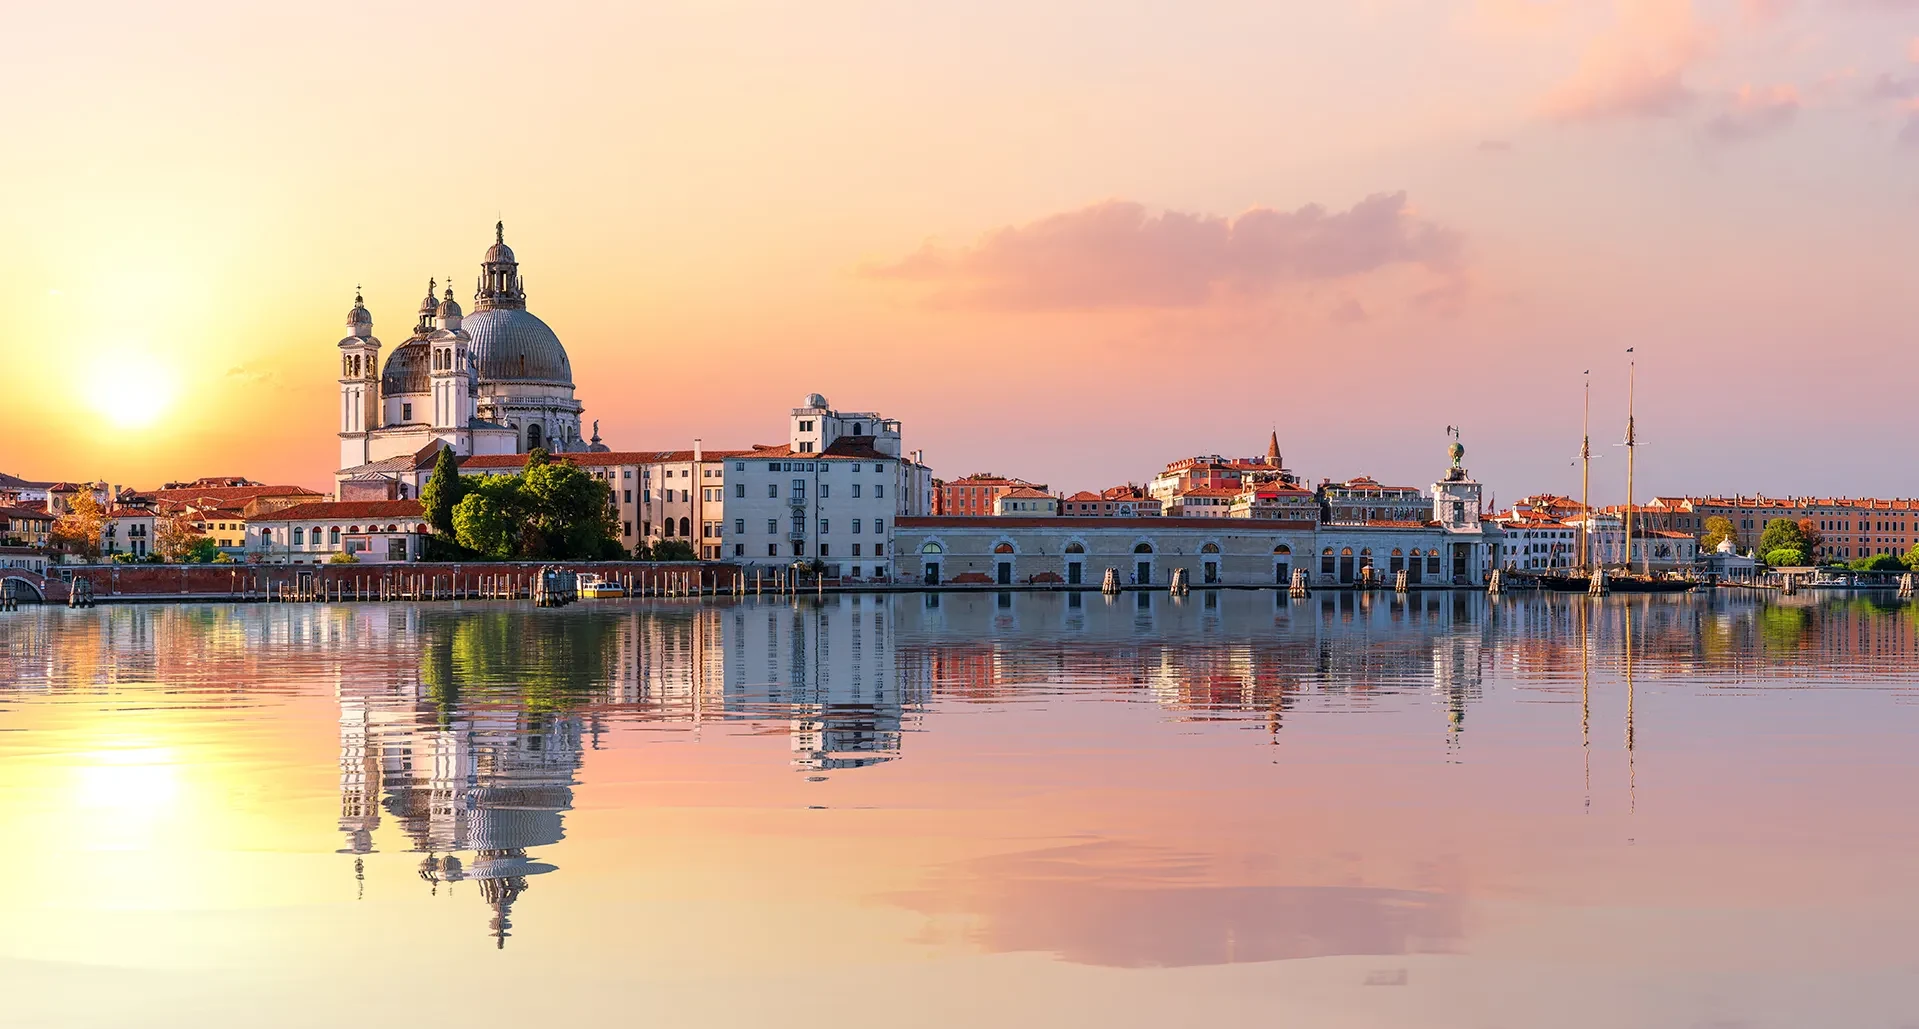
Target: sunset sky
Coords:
[(1067, 241)]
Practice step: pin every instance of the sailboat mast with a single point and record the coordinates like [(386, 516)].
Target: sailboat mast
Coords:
[(1631, 379), (1585, 477)]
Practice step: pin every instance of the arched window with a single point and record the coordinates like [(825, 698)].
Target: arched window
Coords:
[(932, 548), (353, 528), (393, 528), (1396, 552), (1328, 552), (316, 535), (1283, 550), (1002, 548), (686, 526), (1075, 548), (1345, 551), (1210, 548), (1143, 548), (666, 528), (299, 536), (532, 436)]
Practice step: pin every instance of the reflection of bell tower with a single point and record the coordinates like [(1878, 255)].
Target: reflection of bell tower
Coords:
[(359, 778)]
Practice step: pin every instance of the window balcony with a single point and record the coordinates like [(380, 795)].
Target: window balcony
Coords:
[(797, 532)]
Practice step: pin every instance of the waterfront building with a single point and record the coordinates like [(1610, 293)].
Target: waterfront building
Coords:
[(1850, 527), (1213, 471), (371, 531), (1274, 499), (657, 495), (1660, 550), (22, 525), (1535, 543), (1025, 503), (976, 493), (1360, 500), (1116, 502), (497, 381), (129, 528), (832, 494), (1448, 544)]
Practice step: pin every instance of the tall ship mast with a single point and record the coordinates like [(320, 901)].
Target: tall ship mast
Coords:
[(1632, 444), (1585, 476)]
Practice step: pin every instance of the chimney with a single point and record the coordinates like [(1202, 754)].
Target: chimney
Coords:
[(696, 450)]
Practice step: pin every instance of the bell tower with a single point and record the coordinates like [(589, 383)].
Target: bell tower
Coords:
[(452, 375), (359, 385)]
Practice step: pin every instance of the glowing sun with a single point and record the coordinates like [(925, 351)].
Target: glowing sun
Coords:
[(131, 390)]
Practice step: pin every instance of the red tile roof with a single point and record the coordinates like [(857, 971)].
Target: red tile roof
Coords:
[(225, 494), (342, 510), (1237, 526)]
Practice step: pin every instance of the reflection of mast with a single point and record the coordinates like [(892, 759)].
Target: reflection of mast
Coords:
[(1585, 701), (1632, 778)]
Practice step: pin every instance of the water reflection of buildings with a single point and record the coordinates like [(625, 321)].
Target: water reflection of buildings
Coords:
[(824, 666), (487, 781)]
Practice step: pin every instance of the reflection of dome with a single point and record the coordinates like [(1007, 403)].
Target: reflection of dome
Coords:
[(513, 344), (408, 369), (815, 400)]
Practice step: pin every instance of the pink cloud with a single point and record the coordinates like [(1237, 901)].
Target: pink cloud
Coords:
[(1635, 69), (1118, 254), (1753, 112)]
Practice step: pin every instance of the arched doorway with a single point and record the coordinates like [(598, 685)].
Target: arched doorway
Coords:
[(929, 557), (1345, 564), (1209, 567), (1143, 564), (1282, 564), (1003, 563), (1075, 564)]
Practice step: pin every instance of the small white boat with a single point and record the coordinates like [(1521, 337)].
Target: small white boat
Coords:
[(599, 587)]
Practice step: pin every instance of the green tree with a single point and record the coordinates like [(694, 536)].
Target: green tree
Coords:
[(199, 551), (481, 526), (1911, 558), (1877, 563), (568, 512), (443, 492), (670, 550), (1786, 557), (1782, 534), (1718, 529)]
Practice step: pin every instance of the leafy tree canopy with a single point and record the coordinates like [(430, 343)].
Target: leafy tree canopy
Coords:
[(1786, 557), (1718, 529), (1782, 534)]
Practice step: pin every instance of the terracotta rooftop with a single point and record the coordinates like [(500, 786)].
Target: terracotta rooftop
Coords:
[(341, 510)]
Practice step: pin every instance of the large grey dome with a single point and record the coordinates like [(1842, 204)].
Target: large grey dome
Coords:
[(512, 344), (408, 369)]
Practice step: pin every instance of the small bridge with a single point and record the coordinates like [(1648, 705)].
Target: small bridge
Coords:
[(31, 587)]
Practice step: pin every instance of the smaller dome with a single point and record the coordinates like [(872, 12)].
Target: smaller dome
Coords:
[(499, 252), (815, 400), (358, 318), (449, 307)]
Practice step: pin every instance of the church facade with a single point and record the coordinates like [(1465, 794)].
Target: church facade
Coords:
[(496, 381)]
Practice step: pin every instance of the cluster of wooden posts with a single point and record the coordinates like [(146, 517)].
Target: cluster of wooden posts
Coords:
[(80, 593)]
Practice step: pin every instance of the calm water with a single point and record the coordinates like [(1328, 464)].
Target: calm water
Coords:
[(964, 810)]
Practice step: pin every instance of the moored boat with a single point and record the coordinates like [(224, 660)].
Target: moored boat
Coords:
[(599, 587)]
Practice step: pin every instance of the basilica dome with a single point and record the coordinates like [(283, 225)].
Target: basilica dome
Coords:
[(409, 369), (511, 344)]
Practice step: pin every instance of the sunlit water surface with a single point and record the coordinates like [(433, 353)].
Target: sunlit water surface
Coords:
[(959, 810)]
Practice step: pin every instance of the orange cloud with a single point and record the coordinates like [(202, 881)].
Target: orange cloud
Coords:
[(1754, 112), (1118, 254), (1636, 69)]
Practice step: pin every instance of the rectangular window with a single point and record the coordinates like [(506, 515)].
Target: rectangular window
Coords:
[(823, 549), (739, 466), (739, 550), (739, 526), (856, 550), (856, 471), (773, 526), (772, 550), (856, 526), (646, 496), (739, 490), (406, 412), (628, 496), (646, 528), (879, 491), (773, 490), (879, 525), (626, 473), (879, 549), (826, 490), (626, 528), (856, 491), (825, 526)]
